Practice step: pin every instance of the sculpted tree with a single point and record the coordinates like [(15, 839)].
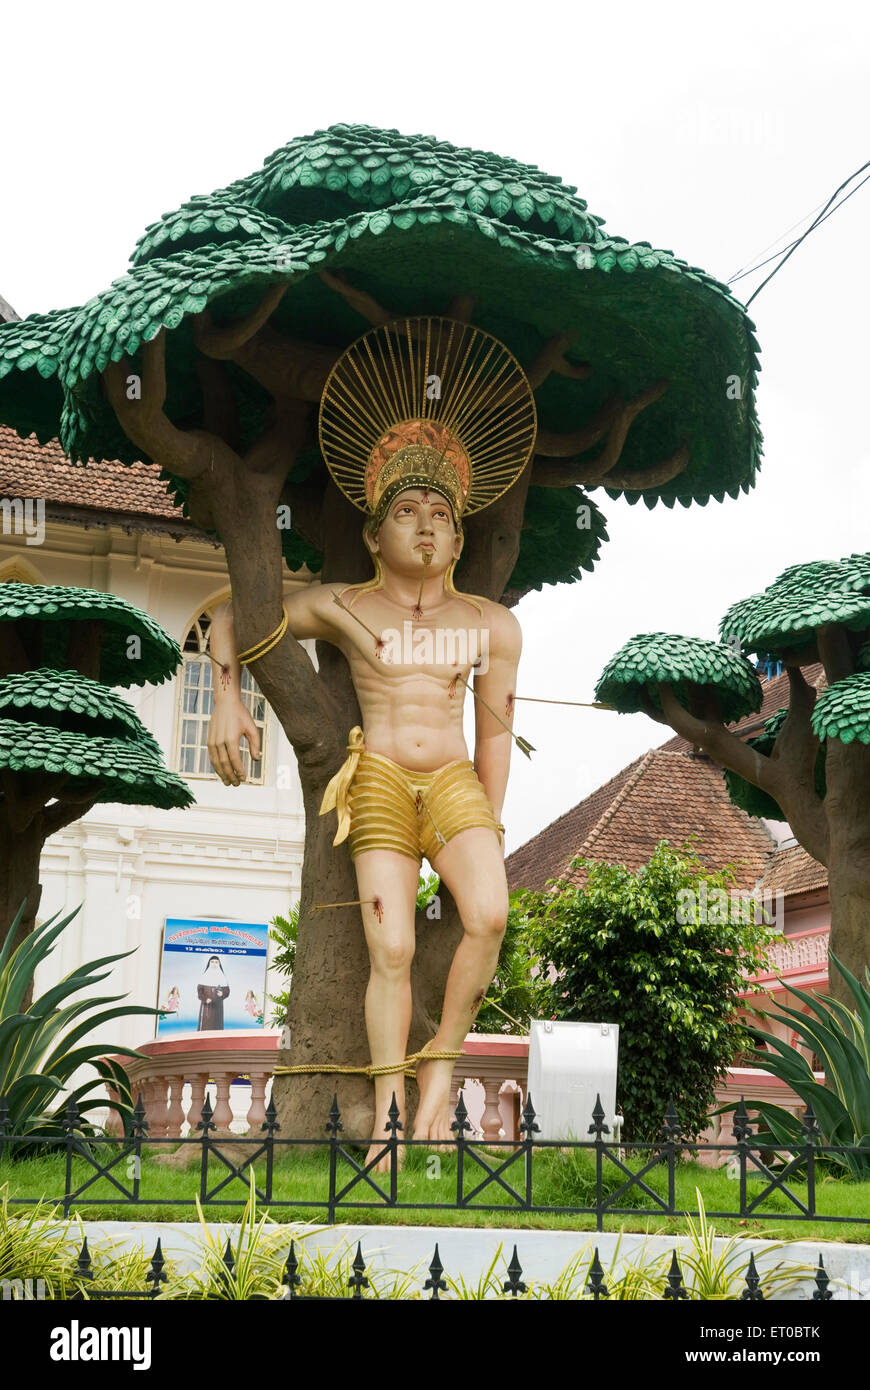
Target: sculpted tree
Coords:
[(811, 764), (211, 355), (67, 741)]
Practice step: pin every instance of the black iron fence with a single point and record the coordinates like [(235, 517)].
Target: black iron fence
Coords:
[(435, 1288), (481, 1173)]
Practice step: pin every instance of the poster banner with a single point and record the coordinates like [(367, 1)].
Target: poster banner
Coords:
[(212, 976)]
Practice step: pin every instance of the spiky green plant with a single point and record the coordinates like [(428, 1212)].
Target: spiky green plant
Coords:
[(114, 1266), (718, 1275), (41, 1045), (248, 1267), (640, 1280), (327, 1274), (841, 1038), (35, 1244), (489, 1284)]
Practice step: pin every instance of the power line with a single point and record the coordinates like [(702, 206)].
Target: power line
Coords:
[(817, 221), (747, 266), (741, 274)]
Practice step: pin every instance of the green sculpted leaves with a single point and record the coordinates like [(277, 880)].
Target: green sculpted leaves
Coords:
[(69, 700), (122, 770), (558, 544), (134, 649), (413, 221), (804, 598), (843, 710), (630, 680)]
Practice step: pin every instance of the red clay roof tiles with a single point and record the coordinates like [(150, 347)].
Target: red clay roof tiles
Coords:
[(31, 469), (662, 796)]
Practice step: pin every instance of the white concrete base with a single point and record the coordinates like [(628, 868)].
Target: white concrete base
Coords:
[(468, 1251)]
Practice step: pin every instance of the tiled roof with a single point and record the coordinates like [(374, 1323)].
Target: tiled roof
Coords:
[(661, 796), (546, 854), (792, 871), (76, 491)]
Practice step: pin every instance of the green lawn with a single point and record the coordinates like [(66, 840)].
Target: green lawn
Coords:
[(559, 1179)]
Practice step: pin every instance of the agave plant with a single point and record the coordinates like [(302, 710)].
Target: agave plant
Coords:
[(41, 1044), (841, 1038)]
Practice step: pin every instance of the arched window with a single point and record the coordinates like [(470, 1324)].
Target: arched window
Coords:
[(18, 572), (196, 703)]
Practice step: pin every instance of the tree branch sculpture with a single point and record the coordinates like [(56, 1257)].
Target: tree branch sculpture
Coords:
[(811, 763)]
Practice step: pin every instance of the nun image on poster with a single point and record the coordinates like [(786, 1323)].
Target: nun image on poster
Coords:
[(212, 976)]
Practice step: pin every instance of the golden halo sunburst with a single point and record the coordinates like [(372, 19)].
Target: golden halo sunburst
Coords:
[(426, 402)]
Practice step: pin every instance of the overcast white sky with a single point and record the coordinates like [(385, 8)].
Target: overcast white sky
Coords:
[(707, 131)]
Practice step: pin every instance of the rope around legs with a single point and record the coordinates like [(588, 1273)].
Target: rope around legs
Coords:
[(371, 1071)]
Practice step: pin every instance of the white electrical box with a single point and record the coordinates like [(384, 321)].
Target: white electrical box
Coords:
[(569, 1065)]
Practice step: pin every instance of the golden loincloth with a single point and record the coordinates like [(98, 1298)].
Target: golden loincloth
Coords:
[(381, 805)]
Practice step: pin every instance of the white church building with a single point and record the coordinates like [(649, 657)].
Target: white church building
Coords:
[(236, 855)]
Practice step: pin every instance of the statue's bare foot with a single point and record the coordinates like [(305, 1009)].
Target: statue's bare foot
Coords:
[(433, 1113), (437, 1130), (376, 1147)]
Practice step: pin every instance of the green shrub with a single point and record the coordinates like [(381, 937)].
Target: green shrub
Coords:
[(284, 931), (623, 955)]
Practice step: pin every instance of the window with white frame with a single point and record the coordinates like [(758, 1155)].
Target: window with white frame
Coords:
[(196, 701)]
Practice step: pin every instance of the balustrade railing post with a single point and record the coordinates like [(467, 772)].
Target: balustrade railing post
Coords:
[(223, 1111), (490, 1122), (174, 1107), (198, 1090), (256, 1110)]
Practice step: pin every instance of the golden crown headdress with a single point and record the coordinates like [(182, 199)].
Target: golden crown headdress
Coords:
[(426, 402)]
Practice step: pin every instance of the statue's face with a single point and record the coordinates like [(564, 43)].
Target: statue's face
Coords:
[(419, 522)]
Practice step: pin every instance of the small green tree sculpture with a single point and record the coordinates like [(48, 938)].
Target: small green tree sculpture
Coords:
[(811, 764), (66, 740)]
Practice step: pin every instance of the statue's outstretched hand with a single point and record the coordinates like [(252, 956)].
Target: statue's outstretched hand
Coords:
[(229, 723)]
